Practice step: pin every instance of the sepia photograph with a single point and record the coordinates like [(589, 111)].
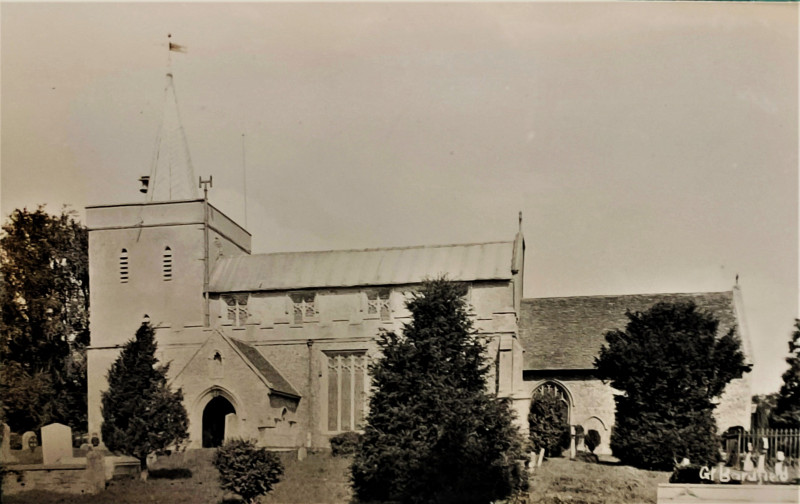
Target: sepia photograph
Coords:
[(400, 252)]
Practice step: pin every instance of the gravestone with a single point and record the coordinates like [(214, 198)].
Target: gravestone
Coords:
[(56, 443), (572, 442), (95, 470), (29, 441), (231, 426), (5, 451)]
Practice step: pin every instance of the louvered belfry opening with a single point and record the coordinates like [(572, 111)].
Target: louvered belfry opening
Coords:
[(123, 266), (167, 264)]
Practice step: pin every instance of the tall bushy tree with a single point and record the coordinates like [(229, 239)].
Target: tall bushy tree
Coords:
[(670, 364), (548, 427), (45, 318), (434, 434), (141, 415), (787, 409)]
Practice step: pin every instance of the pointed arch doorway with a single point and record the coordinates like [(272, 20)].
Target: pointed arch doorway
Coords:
[(214, 419)]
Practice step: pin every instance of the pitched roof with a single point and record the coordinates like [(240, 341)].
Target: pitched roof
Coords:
[(277, 381), (567, 332), (351, 268)]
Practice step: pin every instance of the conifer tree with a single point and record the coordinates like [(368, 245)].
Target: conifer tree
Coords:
[(787, 410), (670, 364), (434, 433), (141, 415)]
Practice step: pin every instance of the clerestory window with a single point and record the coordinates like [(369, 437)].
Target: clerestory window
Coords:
[(237, 308), (304, 305), (378, 304)]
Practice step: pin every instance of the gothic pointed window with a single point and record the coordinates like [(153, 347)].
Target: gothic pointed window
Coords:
[(237, 308), (556, 390), (304, 307), (123, 266), (378, 304), (347, 390), (166, 264)]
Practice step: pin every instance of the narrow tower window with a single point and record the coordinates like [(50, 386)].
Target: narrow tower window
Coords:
[(123, 266), (167, 264)]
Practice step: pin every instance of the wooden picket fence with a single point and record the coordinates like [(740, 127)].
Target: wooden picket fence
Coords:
[(785, 440)]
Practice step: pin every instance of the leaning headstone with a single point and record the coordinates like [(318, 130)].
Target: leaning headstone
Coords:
[(29, 440), (541, 458), (5, 451), (56, 443)]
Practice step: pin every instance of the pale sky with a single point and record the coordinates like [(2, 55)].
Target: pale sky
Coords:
[(652, 147)]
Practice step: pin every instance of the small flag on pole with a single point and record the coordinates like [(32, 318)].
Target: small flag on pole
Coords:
[(177, 48)]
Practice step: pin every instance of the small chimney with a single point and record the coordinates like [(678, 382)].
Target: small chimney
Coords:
[(145, 180)]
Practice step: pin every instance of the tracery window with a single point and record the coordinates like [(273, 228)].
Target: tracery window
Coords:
[(347, 390), (304, 306), (166, 265), (123, 266), (237, 308), (554, 389), (378, 303)]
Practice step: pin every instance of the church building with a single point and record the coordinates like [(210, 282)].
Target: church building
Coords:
[(276, 346)]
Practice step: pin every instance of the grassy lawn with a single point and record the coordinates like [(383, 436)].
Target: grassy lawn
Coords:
[(561, 481), (189, 478)]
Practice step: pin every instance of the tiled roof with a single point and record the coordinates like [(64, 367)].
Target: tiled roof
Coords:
[(351, 268), (273, 376), (567, 332)]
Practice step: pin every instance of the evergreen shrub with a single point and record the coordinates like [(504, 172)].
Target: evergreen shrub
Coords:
[(435, 433), (547, 423), (592, 440), (670, 363), (345, 444), (246, 469)]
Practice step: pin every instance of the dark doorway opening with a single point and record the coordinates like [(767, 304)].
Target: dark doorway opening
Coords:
[(214, 421)]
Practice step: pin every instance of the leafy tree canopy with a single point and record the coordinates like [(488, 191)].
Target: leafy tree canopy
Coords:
[(787, 408), (548, 427), (434, 434), (141, 415), (670, 364), (45, 318)]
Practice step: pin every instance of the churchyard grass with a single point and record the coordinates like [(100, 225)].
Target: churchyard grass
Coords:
[(561, 481), (189, 478)]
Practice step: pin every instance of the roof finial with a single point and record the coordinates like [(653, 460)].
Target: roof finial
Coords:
[(737, 278), (520, 221)]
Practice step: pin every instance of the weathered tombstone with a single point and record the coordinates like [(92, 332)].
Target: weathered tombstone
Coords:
[(541, 458), (761, 465), (96, 472), (29, 440), (150, 460), (56, 443), (231, 426), (572, 442), (781, 471), (5, 451), (748, 459), (302, 453)]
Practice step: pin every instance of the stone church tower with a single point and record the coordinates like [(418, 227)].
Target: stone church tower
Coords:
[(153, 259)]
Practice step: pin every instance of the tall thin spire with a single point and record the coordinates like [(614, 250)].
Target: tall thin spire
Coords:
[(171, 174)]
